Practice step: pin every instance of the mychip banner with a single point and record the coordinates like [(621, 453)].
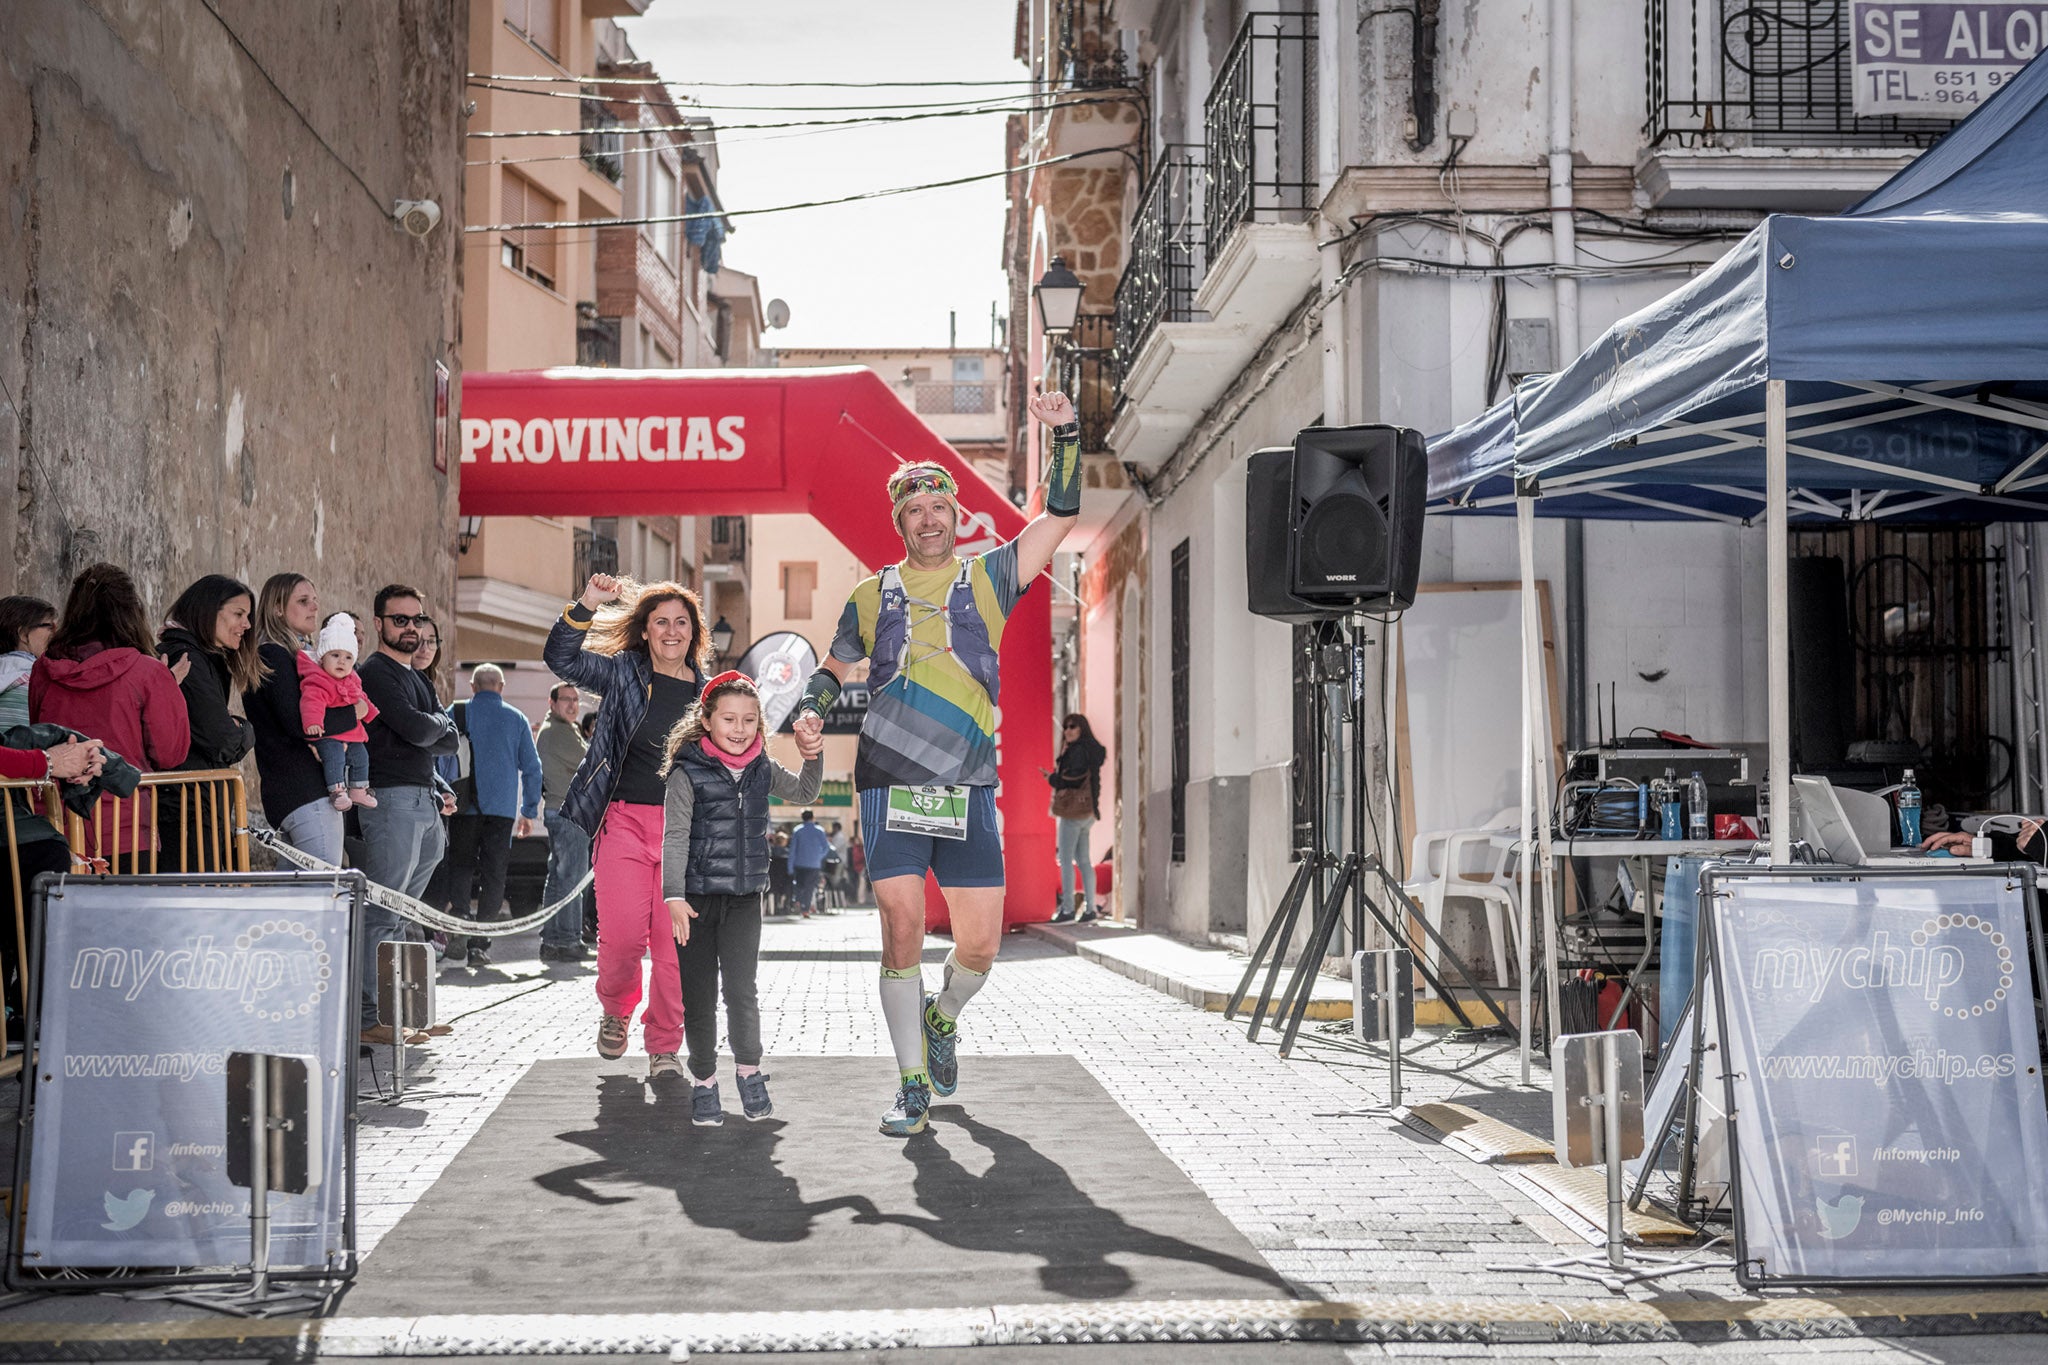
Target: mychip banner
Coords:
[(1938, 60), (1883, 1077), (147, 985)]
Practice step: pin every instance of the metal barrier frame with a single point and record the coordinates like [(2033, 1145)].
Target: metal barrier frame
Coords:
[(15, 1275)]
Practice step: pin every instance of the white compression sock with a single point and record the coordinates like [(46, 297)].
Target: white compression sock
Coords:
[(903, 1011), (959, 988)]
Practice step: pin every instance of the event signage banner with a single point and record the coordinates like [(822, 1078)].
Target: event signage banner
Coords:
[(1884, 1077), (1939, 60), (146, 990)]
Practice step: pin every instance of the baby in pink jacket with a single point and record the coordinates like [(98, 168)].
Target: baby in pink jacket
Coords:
[(328, 682)]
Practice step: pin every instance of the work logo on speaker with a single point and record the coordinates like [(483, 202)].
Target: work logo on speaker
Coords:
[(1885, 1075)]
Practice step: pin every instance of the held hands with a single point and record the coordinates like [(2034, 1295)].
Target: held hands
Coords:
[(1054, 409), (681, 914), (76, 760), (601, 589), (810, 734)]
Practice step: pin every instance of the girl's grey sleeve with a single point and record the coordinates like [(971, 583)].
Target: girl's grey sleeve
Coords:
[(675, 833), (799, 786)]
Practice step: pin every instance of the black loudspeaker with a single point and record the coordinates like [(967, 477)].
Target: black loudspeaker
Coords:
[(1268, 498)]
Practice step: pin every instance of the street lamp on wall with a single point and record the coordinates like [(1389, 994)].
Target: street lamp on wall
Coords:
[(721, 637), (1058, 294), (467, 529)]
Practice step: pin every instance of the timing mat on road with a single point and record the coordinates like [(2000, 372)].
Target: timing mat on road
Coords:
[(589, 1191)]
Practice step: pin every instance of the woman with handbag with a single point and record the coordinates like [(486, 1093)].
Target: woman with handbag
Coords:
[(1076, 804)]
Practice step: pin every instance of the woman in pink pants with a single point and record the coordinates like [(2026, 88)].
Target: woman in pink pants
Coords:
[(644, 650)]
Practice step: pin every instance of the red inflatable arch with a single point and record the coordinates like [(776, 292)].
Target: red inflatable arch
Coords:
[(576, 442)]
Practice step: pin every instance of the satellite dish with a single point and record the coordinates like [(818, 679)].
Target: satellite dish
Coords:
[(778, 313), (780, 665)]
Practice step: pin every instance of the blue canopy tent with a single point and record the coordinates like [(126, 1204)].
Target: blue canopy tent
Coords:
[(1889, 362)]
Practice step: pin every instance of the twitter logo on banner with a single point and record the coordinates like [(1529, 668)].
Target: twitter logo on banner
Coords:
[(123, 1214), (1839, 1219)]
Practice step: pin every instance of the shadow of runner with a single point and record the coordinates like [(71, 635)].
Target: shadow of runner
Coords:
[(726, 1178), (1027, 1203)]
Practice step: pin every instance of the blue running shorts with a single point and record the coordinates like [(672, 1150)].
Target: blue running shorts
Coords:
[(976, 860)]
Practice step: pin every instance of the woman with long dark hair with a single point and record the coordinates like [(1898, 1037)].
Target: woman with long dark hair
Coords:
[(645, 650), (101, 677), (295, 799), (210, 624), (1076, 782)]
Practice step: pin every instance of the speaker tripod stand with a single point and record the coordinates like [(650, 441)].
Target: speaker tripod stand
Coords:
[(1333, 881)]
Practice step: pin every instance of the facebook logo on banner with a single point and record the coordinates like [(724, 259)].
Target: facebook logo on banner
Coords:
[(134, 1151)]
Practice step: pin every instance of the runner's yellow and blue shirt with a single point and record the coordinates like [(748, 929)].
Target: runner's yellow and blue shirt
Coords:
[(933, 723)]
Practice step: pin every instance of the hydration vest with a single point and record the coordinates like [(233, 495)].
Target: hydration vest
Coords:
[(966, 633)]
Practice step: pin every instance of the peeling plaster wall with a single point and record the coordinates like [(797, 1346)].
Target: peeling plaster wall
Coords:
[(217, 350)]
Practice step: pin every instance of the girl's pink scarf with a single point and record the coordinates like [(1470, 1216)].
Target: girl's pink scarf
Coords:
[(733, 761)]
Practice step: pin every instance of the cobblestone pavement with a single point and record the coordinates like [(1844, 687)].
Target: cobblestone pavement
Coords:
[(1342, 1203)]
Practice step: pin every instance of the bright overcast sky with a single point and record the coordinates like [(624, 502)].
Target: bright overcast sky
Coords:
[(883, 273)]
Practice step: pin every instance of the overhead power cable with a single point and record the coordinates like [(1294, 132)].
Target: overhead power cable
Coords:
[(492, 134), (745, 85), (686, 103), (782, 208)]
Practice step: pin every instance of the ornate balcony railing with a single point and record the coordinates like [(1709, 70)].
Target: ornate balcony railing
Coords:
[(1090, 58), (603, 145), (1259, 127), (1761, 73), (1169, 255), (597, 337), (1088, 375), (593, 553)]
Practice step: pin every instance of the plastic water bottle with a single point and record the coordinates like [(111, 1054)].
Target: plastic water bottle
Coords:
[(1671, 818), (1908, 801), (1643, 807), (1698, 826)]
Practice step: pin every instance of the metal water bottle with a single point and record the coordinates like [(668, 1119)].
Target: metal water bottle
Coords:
[(1908, 801)]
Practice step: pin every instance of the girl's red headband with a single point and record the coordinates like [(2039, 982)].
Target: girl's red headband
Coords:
[(729, 676)]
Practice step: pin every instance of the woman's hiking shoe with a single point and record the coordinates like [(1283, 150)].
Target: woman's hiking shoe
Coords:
[(611, 1037)]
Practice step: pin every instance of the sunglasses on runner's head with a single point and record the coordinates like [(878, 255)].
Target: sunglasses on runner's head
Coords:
[(928, 483), (401, 620)]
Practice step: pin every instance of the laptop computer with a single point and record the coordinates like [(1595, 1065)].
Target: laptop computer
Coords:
[(1842, 826)]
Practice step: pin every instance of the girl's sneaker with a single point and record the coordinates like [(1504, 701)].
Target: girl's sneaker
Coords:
[(360, 796), (339, 795), (754, 1101), (705, 1110)]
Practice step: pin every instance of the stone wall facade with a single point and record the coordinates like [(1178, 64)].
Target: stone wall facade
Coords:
[(218, 351)]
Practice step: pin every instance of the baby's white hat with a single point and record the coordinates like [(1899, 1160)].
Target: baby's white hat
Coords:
[(338, 633)]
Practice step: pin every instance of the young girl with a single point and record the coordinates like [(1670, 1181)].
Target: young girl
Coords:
[(714, 866), (333, 710)]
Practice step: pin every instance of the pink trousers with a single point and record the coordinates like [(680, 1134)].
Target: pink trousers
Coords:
[(633, 923)]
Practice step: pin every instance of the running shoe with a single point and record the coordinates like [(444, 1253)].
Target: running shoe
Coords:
[(908, 1115), (705, 1110), (611, 1037), (941, 1050), (754, 1101), (661, 1064)]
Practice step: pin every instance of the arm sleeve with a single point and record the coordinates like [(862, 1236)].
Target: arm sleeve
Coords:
[(166, 728), (216, 738), (568, 660), (277, 698), (675, 833), (1001, 564), (18, 765), (1063, 472), (798, 786), (429, 730), (312, 707), (529, 772)]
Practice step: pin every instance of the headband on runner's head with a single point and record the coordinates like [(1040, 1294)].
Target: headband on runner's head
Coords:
[(907, 482)]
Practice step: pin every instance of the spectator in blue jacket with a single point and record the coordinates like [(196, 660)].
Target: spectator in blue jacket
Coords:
[(505, 776), (809, 846)]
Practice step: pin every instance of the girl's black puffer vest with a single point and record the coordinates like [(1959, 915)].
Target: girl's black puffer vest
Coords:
[(728, 825)]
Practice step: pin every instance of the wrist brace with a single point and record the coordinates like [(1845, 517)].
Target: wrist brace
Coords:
[(819, 693), (1063, 472)]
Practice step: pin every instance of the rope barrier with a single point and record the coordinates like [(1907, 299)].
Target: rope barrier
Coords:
[(419, 912)]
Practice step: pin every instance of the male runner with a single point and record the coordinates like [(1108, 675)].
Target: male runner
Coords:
[(932, 625)]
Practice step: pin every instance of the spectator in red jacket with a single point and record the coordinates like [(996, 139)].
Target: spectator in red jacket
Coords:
[(101, 677)]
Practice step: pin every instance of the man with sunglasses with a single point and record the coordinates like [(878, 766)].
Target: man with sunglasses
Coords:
[(926, 765), (403, 837)]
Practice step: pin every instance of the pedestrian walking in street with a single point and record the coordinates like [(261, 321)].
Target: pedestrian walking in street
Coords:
[(403, 839), (644, 650), (932, 625), (294, 785), (714, 867), (809, 846), (328, 683), (209, 626), (26, 625), (835, 866), (100, 676), (562, 746), (505, 785), (1076, 779)]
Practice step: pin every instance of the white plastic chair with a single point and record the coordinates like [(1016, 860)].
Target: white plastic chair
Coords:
[(1468, 864)]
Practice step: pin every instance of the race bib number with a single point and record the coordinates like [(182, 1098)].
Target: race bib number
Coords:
[(937, 812)]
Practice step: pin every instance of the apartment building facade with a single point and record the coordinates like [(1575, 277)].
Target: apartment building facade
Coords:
[(1337, 212)]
